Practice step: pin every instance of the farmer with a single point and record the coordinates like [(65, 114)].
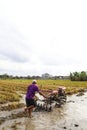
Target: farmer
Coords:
[(30, 102)]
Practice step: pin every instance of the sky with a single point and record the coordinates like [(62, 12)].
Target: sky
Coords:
[(43, 36)]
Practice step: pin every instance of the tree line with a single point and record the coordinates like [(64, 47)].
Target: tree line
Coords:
[(6, 76), (75, 76), (78, 76)]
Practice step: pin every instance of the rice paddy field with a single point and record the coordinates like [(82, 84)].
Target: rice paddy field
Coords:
[(12, 103), (9, 88)]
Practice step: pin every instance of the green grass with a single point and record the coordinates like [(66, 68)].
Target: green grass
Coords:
[(9, 88)]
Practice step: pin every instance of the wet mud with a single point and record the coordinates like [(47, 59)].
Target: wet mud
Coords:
[(71, 116)]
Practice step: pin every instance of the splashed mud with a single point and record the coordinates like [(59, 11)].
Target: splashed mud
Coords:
[(71, 116)]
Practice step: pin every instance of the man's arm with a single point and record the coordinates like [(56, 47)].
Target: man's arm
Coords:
[(42, 94), (49, 90)]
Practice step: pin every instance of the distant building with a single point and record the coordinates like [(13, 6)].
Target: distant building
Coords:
[(46, 76)]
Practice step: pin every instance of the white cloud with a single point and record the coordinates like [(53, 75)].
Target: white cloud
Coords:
[(13, 46), (43, 36)]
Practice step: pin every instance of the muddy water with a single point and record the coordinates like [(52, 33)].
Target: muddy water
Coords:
[(72, 116)]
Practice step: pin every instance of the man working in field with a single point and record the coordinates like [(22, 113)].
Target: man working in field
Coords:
[(30, 102)]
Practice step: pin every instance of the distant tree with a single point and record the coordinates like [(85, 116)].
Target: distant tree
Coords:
[(71, 76), (83, 76), (4, 76), (78, 76)]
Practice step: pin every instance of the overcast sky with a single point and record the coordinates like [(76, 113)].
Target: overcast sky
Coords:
[(43, 36)]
